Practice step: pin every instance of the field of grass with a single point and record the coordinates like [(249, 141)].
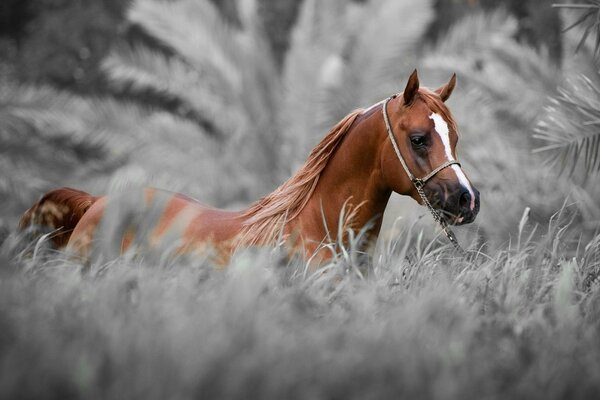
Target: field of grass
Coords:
[(416, 322), (518, 317)]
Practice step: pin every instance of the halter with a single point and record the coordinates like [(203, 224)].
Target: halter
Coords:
[(420, 182)]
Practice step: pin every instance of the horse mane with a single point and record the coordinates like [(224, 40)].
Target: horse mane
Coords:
[(267, 217)]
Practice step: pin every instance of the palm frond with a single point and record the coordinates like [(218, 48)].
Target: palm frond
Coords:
[(578, 58), (482, 50), (223, 74), (372, 72), (138, 69), (397, 29), (47, 137), (237, 60), (344, 56), (570, 127), (196, 32), (588, 21), (317, 35)]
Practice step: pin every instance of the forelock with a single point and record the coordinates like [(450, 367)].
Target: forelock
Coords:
[(436, 105)]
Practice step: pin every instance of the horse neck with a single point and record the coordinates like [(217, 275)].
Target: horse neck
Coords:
[(351, 183)]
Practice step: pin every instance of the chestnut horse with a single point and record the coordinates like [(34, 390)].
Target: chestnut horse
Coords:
[(352, 171)]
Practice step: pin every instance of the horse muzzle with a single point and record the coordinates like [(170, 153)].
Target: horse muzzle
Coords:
[(458, 206)]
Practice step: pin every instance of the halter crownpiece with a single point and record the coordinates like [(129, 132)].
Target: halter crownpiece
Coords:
[(419, 183)]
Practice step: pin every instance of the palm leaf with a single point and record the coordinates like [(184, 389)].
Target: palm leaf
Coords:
[(47, 137), (237, 61), (588, 21), (219, 73), (344, 56), (570, 127), (139, 70), (373, 72), (482, 50)]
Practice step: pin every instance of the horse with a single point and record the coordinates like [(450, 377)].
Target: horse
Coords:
[(352, 171)]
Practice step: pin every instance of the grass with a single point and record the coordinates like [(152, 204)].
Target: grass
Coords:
[(521, 322)]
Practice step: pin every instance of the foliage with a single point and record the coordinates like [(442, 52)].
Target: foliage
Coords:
[(538, 24), (514, 76), (37, 130), (589, 20), (226, 74), (518, 318), (278, 18), (517, 323), (332, 66), (221, 72), (49, 138), (503, 87), (569, 128), (62, 43)]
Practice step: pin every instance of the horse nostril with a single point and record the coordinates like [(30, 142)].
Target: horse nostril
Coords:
[(464, 201)]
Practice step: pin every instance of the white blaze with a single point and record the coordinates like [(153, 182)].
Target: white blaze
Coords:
[(441, 127)]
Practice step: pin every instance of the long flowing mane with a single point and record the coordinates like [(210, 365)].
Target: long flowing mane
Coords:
[(267, 217)]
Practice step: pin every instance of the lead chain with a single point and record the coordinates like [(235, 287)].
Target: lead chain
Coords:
[(438, 218)]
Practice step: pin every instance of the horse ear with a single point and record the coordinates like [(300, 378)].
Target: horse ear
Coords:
[(446, 90), (412, 87)]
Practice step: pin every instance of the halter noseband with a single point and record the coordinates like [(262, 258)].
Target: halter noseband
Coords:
[(420, 182)]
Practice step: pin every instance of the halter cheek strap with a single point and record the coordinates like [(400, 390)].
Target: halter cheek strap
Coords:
[(420, 182)]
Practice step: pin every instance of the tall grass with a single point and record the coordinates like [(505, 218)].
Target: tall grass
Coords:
[(421, 323)]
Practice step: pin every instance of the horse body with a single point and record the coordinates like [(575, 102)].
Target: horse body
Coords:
[(352, 171), (359, 189)]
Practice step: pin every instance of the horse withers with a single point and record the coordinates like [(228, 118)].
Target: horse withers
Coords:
[(404, 144)]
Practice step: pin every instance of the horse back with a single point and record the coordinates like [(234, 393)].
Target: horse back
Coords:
[(153, 218)]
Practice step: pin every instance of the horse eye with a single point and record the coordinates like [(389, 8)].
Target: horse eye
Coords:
[(418, 141)]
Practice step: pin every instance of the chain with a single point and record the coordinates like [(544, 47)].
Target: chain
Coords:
[(438, 218)]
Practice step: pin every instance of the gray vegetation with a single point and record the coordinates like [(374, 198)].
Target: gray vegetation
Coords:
[(234, 113)]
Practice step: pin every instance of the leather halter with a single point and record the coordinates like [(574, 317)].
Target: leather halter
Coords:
[(420, 182)]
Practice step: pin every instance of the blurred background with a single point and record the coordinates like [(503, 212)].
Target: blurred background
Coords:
[(223, 100)]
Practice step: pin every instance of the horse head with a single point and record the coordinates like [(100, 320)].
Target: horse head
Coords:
[(420, 154)]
